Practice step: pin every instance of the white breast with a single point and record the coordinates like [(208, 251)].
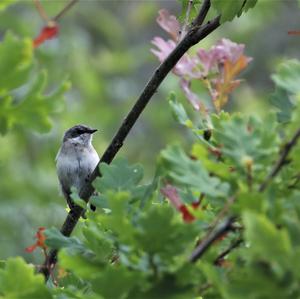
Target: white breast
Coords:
[(74, 165)]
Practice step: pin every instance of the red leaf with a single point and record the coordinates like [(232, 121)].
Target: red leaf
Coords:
[(40, 242), (48, 32), (31, 248), (196, 204), (171, 193), (186, 215)]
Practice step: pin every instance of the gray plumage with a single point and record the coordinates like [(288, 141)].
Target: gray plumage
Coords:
[(76, 160)]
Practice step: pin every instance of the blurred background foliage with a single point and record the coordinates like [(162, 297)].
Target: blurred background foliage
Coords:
[(103, 49)]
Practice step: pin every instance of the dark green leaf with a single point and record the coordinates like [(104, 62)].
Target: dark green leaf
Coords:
[(18, 281), (16, 62), (187, 172)]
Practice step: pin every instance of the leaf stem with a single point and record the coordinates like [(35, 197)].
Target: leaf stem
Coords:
[(232, 246), (64, 10), (41, 11)]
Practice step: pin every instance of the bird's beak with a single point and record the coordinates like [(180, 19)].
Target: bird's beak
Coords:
[(92, 131)]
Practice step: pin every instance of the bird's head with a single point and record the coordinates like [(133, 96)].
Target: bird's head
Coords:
[(79, 134)]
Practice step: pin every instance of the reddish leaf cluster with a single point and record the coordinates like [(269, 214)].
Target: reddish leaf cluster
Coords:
[(40, 241), (171, 193), (48, 32), (216, 68)]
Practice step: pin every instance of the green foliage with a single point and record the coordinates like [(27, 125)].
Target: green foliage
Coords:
[(138, 243), (16, 62), (229, 9), (119, 176), (187, 172), (18, 281), (287, 90), (178, 110), (33, 109), (56, 240), (287, 76), (144, 248), (246, 142), (192, 7)]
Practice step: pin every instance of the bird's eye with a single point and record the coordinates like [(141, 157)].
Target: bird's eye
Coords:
[(79, 131)]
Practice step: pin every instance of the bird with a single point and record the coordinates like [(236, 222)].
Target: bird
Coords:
[(76, 160)]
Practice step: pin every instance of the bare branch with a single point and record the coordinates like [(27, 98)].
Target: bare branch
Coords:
[(222, 229), (64, 10), (202, 13), (281, 161), (232, 246)]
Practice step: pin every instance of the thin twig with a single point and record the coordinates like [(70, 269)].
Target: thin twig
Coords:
[(64, 10), (41, 11), (221, 214), (281, 161), (202, 13), (193, 36), (232, 246), (222, 229)]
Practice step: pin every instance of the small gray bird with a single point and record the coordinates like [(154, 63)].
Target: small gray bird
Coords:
[(76, 160)]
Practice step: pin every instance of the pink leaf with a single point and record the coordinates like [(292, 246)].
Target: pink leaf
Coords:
[(164, 48), (171, 193), (169, 23), (191, 96)]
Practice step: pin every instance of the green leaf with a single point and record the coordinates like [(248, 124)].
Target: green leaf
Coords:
[(55, 239), (186, 172), (194, 8), (179, 112), (287, 76), (158, 233), (16, 58), (82, 265), (283, 102), (247, 142), (18, 281), (124, 280), (118, 176), (229, 9), (117, 221), (265, 240), (249, 4), (34, 110), (98, 241)]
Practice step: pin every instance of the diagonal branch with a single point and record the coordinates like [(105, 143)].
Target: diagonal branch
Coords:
[(202, 13), (222, 229), (195, 34), (220, 258), (281, 161)]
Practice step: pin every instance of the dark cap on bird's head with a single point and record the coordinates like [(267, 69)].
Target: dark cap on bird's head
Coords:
[(77, 131)]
